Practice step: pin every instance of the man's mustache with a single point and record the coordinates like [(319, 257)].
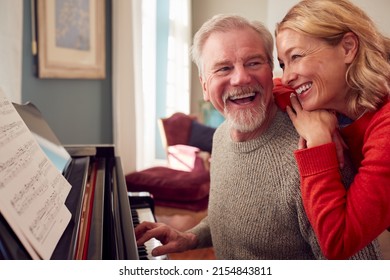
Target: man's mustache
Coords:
[(237, 92)]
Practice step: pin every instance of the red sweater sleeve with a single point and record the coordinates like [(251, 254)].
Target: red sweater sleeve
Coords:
[(346, 220)]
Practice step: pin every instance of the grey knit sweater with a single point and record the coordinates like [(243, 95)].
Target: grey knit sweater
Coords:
[(255, 208)]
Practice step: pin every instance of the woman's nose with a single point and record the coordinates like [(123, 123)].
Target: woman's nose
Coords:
[(288, 77)]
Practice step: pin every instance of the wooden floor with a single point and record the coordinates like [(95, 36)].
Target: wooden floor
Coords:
[(183, 220)]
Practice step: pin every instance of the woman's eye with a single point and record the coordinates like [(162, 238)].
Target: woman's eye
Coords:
[(295, 56), (281, 64)]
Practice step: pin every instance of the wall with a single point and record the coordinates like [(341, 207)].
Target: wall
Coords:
[(79, 111), (378, 10)]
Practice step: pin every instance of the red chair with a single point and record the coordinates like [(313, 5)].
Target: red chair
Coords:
[(183, 142), (185, 183)]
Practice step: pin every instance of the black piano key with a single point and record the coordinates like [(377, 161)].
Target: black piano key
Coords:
[(142, 252)]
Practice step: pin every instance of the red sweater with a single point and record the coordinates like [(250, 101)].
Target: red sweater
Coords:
[(346, 220)]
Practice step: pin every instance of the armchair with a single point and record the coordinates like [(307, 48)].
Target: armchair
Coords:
[(185, 182), (187, 142)]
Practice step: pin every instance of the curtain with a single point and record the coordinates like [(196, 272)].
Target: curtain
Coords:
[(125, 26), (146, 96), (179, 61), (134, 76)]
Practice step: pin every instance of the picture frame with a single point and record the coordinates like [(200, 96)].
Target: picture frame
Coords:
[(71, 39)]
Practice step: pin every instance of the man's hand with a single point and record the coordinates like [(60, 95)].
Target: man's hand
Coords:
[(173, 240)]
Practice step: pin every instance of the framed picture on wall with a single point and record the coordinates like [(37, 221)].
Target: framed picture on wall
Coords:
[(71, 39)]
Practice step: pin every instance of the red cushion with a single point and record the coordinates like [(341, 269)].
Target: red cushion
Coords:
[(282, 94), (166, 184)]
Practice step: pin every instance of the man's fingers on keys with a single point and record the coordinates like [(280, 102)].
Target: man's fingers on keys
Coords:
[(143, 227), (149, 234), (165, 249)]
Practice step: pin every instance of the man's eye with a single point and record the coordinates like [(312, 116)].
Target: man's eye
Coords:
[(257, 62), (254, 63), (223, 69)]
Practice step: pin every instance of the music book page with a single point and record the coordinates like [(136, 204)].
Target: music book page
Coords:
[(32, 190)]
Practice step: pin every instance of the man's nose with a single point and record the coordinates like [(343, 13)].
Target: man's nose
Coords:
[(240, 76)]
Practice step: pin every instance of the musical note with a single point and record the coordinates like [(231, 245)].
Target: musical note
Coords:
[(45, 216), (12, 166), (34, 188)]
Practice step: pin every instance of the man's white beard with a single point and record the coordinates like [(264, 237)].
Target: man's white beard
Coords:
[(247, 120)]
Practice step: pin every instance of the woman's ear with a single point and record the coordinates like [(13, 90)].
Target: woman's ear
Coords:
[(350, 44)]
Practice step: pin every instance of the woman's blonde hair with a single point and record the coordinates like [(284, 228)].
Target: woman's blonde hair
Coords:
[(369, 74), (227, 23)]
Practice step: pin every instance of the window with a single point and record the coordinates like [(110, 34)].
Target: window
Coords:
[(166, 37), (141, 32)]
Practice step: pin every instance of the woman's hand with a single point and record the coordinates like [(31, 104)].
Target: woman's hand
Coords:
[(315, 127)]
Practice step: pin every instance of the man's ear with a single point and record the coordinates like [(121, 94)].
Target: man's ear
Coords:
[(350, 44), (204, 89)]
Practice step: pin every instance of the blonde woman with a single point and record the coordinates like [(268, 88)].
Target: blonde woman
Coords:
[(336, 60)]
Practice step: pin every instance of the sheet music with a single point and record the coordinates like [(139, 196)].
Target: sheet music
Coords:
[(32, 190)]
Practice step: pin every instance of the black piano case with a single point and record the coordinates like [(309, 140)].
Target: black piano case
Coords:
[(110, 233)]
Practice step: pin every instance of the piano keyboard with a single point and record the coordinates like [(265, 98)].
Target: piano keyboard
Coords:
[(145, 214)]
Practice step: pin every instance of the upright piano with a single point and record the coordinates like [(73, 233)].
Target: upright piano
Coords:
[(104, 214)]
